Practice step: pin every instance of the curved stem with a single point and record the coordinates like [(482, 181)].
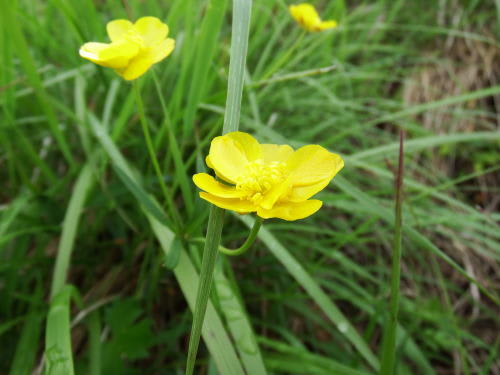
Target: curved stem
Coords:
[(243, 248), (248, 243), (152, 154)]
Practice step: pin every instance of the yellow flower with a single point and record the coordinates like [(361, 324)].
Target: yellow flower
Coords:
[(133, 48), (271, 180), (306, 16)]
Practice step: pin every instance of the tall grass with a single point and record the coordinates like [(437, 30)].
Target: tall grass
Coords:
[(97, 274)]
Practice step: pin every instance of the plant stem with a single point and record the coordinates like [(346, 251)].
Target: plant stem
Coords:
[(180, 167), (239, 46), (284, 58), (252, 236), (152, 154), (389, 342), (214, 231)]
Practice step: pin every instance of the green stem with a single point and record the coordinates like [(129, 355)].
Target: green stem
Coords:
[(214, 231), (239, 46), (284, 58), (152, 154), (252, 236), (180, 167), (389, 342)]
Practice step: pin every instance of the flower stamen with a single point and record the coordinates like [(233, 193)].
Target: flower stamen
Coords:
[(260, 177)]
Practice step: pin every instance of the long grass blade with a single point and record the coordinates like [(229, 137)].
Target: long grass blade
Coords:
[(58, 353), (70, 225), (239, 324), (389, 342)]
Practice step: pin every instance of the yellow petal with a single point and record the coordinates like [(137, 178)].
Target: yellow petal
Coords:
[(136, 68), (211, 185), (302, 193), (162, 50), (272, 196), (311, 164), (233, 204), (291, 211), (326, 25), (152, 30), (230, 153), (117, 29), (305, 15), (115, 55), (272, 153)]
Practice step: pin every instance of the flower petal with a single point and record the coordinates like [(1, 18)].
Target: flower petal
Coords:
[(302, 193), (162, 50), (305, 15), (233, 204), (115, 55), (152, 30), (291, 211), (230, 153), (136, 68), (206, 182), (272, 196), (117, 29), (311, 164), (326, 25), (272, 153)]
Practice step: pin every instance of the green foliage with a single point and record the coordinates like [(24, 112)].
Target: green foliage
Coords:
[(131, 337)]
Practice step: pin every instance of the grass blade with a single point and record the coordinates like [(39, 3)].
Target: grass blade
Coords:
[(70, 225), (212, 23), (58, 354), (27, 347), (239, 324), (389, 341)]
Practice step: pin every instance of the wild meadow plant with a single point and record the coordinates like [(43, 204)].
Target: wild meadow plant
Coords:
[(255, 181)]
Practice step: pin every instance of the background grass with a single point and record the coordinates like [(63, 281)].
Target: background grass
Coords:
[(312, 295)]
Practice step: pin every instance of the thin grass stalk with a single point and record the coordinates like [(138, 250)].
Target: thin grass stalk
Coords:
[(389, 343), (174, 215), (239, 45), (180, 167)]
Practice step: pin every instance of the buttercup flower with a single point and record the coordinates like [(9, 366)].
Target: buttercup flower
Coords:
[(271, 180), (133, 48), (306, 16)]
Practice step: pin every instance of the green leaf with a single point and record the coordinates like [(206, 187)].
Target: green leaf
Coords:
[(58, 353)]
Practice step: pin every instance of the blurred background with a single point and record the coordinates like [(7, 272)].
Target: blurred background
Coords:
[(311, 296)]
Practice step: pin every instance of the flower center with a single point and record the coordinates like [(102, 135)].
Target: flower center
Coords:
[(259, 177)]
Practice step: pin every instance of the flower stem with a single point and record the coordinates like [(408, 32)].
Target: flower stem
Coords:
[(152, 154), (389, 341), (214, 231), (252, 236), (239, 46), (284, 58)]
